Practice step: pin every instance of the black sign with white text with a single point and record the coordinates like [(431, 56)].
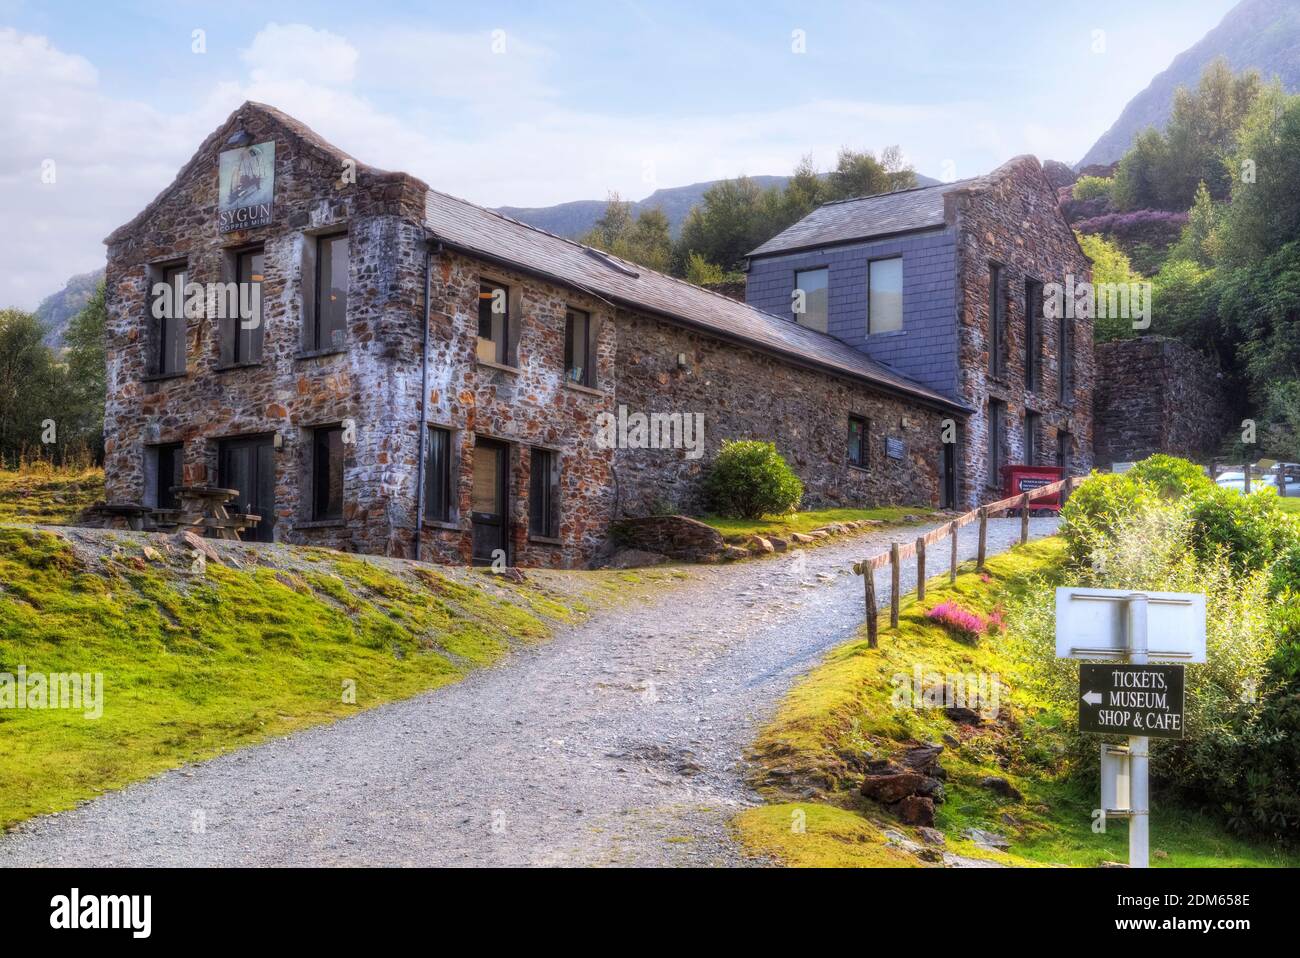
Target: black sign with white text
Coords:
[(1131, 700)]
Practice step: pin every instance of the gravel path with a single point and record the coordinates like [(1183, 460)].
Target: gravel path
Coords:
[(619, 742)]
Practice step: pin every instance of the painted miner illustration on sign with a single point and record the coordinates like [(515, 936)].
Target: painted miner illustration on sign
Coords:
[(246, 181)]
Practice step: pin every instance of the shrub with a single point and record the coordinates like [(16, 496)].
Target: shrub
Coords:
[(1285, 575), (1092, 188), (1172, 476), (1095, 510), (1252, 529), (749, 480)]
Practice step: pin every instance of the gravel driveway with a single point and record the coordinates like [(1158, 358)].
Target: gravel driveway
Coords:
[(619, 742)]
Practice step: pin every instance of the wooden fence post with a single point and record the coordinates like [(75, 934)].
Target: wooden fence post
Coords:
[(984, 538), (1024, 518), (920, 568), (872, 612), (952, 574), (893, 592)]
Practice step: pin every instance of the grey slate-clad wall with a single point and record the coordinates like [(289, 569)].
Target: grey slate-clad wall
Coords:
[(926, 347)]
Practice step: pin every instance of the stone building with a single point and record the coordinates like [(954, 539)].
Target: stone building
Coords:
[(945, 284), (403, 372), (1156, 394)]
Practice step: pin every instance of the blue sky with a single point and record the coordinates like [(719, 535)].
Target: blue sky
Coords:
[(572, 100)]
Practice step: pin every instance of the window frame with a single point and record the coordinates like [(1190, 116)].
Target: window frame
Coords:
[(1034, 316), (864, 443), (588, 367), (798, 317), (997, 319), (235, 328), (317, 513), (545, 513), (1063, 440), (901, 267), (162, 342), (502, 353), (313, 330), (160, 496), (996, 426), (1033, 428), (1065, 361), (439, 482)]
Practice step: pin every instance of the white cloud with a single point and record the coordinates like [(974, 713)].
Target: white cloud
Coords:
[(483, 125)]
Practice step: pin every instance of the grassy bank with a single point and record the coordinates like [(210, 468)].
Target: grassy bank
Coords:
[(811, 757), (44, 494), (813, 519), (198, 663)]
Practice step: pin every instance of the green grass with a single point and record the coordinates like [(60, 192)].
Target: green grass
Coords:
[(1289, 504), (844, 709), (807, 521), (46, 495), (196, 665)]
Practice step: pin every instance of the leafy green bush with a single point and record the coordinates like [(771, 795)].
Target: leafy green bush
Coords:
[(750, 480), (1095, 510), (1172, 476), (1285, 578), (1091, 188), (1251, 529)]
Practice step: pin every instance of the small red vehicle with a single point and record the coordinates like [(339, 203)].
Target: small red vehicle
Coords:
[(1017, 480)]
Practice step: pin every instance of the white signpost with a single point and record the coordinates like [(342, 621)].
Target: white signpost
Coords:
[(1136, 628)]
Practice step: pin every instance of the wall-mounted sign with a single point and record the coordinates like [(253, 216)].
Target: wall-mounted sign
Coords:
[(894, 447), (246, 184)]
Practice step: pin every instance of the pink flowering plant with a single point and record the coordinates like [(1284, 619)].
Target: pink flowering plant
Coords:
[(967, 624)]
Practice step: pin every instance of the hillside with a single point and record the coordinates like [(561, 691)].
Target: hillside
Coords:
[(1259, 34), (57, 309), (576, 218)]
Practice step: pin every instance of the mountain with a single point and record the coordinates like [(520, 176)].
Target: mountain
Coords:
[(57, 309), (1259, 34), (577, 217)]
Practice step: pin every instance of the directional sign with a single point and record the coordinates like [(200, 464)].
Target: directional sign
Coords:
[(1131, 700), (1092, 624)]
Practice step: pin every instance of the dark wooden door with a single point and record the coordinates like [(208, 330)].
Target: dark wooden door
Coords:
[(248, 464), (489, 502), (948, 479)]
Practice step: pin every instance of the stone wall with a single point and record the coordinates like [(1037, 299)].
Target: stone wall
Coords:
[(1011, 217), (744, 394), (1156, 394)]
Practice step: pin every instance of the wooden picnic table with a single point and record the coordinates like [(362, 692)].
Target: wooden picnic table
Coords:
[(203, 509), (122, 515)]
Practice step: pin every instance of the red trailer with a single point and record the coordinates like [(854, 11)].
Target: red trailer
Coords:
[(1017, 480)]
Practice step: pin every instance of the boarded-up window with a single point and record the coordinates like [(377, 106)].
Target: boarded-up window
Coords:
[(997, 320)]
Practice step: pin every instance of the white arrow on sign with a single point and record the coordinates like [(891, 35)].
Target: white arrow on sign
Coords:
[(1092, 698)]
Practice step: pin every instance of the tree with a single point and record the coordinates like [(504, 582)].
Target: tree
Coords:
[(1109, 265), (861, 174), (645, 240), (1265, 210), (732, 218), (30, 385), (86, 374)]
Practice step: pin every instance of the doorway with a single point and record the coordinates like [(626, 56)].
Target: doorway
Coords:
[(248, 464), (948, 477), (490, 501)]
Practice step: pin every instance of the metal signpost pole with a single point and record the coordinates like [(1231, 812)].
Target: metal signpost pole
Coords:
[(1139, 816)]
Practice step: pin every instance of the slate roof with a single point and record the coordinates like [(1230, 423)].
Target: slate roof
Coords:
[(844, 221), (494, 236)]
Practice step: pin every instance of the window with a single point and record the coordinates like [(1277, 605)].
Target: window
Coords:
[(1065, 361), (885, 295), (437, 475), (578, 352), (995, 443), (997, 319), (169, 313), (327, 329), (1063, 450), (327, 473), (1033, 332), (858, 442), (242, 337), (544, 494), (166, 462), (494, 323), (1032, 422), (814, 285)]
